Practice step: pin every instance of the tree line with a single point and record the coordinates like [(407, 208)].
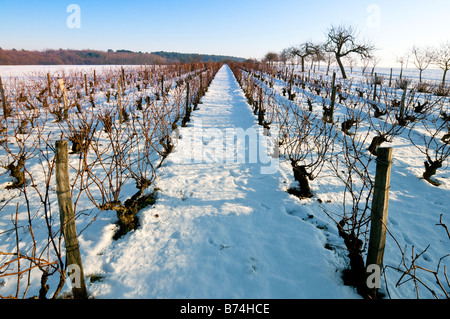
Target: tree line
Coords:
[(95, 57)]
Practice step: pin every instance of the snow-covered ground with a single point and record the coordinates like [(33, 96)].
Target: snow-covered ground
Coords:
[(415, 207), (224, 228), (219, 228), (23, 71), (428, 75)]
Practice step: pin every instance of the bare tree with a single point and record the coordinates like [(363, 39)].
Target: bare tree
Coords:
[(342, 41), (317, 53), (422, 59), (374, 60), (271, 57), (365, 64), (351, 62), (284, 56), (403, 60), (442, 59), (302, 51), (328, 57)]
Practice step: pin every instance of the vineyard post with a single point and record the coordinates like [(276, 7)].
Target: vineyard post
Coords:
[(290, 86), (95, 78), (85, 84), (6, 111), (333, 98), (402, 102), (119, 84), (162, 85), (379, 215), (49, 84), (67, 218), (64, 92), (375, 88), (390, 79), (123, 80), (188, 111), (260, 107), (201, 83)]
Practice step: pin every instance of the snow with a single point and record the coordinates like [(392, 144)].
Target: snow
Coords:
[(24, 71), (224, 228)]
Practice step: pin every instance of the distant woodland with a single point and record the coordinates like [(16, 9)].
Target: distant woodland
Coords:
[(93, 57)]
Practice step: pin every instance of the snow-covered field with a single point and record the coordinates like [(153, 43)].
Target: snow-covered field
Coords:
[(228, 229), (428, 75), (23, 71), (224, 230)]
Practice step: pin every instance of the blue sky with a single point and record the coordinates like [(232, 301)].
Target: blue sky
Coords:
[(246, 28)]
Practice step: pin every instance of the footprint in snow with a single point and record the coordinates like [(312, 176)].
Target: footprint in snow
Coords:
[(184, 195), (221, 247), (253, 267), (176, 235), (407, 239), (393, 221)]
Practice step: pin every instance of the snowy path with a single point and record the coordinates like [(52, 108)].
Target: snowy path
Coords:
[(218, 229)]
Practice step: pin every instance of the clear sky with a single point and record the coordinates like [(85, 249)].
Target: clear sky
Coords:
[(245, 28)]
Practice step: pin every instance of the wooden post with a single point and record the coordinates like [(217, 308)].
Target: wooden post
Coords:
[(379, 215), (85, 85), (123, 80), (333, 87), (95, 79), (390, 79), (333, 98), (119, 90), (375, 88), (6, 111), (188, 110), (67, 218), (402, 102), (260, 107), (201, 84), (162, 86), (49, 84), (64, 92), (290, 86)]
